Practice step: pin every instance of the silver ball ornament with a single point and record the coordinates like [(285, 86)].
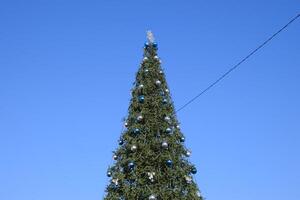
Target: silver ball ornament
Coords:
[(167, 119), (188, 179), (115, 181), (198, 194), (151, 176), (188, 153), (140, 118), (157, 82), (165, 145), (133, 148), (152, 197), (141, 86)]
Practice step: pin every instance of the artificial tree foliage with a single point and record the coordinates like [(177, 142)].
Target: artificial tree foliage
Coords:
[(151, 161)]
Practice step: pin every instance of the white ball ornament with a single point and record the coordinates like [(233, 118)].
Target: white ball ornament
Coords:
[(152, 197), (160, 71), (165, 145), (198, 194), (188, 153), (157, 82), (115, 181), (141, 86), (167, 119), (167, 90), (188, 179), (140, 118), (133, 148), (151, 176), (156, 57), (145, 58)]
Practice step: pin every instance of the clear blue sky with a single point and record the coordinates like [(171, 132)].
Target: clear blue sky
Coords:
[(66, 69)]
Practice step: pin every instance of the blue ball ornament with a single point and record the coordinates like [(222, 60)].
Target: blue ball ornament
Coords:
[(141, 99), (136, 131), (131, 166), (121, 142), (169, 163), (165, 101), (194, 170), (109, 174), (168, 130), (146, 45), (154, 44), (182, 139)]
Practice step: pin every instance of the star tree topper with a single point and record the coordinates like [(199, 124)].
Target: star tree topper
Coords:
[(150, 37)]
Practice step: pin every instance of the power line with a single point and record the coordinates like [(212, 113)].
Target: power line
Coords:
[(239, 63)]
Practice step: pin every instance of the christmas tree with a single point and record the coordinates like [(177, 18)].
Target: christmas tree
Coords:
[(151, 161)]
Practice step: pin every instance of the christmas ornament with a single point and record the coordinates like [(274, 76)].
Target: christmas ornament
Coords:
[(115, 181), (198, 194), (115, 157), (160, 71), (169, 163), (136, 131), (185, 192), (188, 179), (177, 126), (141, 86), (167, 90), (157, 82), (126, 124), (141, 99), (145, 58), (109, 174), (194, 170), (154, 44), (139, 118), (182, 139), (151, 176), (152, 197), (167, 119), (188, 153), (150, 37), (168, 130), (131, 165), (146, 45), (165, 101), (133, 148), (156, 57), (165, 145), (121, 142), (146, 70)]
